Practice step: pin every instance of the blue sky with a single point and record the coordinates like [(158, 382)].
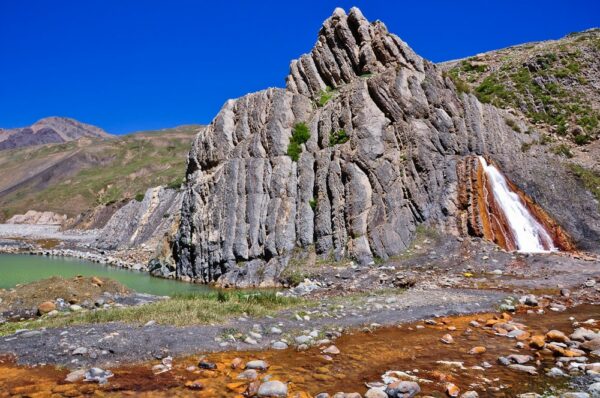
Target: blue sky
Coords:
[(137, 65)]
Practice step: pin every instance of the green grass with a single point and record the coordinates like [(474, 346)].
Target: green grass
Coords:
[(539, 81), (338, 137), (562, 150), (512, 124), (119, 169), (589, 178), (325, 96), (184, 310), (300, 135)]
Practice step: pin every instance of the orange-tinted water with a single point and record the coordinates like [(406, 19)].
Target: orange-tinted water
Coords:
[(364, 357)]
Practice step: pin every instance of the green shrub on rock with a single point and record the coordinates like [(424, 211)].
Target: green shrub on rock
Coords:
[(300, 135)]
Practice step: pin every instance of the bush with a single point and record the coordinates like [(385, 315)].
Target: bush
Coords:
[(512, 124), (526, 146), (139, 197), (582, 139), (338, 137), (300, 135), (176, 183), (325, 96), (562, 150), (313, 203)]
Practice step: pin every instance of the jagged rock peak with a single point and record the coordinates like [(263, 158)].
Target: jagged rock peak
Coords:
[(349, 46)]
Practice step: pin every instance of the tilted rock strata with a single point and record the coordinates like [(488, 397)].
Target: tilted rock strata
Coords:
[(247, 205), (141, 223)]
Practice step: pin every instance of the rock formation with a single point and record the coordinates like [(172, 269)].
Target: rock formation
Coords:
[(248, 206), (48, 130), (140, 223), (38, 218)]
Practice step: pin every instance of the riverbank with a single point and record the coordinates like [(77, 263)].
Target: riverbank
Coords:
[(441, 356), (50, 240), (438, 276)]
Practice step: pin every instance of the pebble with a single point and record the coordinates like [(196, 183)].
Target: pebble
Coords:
[(555, 372), (520, 359), (207, 365), (248, 374), (75, 307), (477, 350), (98, 375), (250, 340), (333, 350), (273, 389), (523, 368), (557, 335), (276, 330), (257, 364), (75, 376), (470, 394), (594, 389), (447, 339), (254, 335), (80, 351), (402, 389), (279, 345), (452, 390), (303, 339), (375, 393)]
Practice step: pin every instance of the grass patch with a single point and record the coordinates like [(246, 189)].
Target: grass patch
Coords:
[(589, 178), (338, 137), (300, 135), (562, 150), (183, 310), (325, 96), (512, 124)]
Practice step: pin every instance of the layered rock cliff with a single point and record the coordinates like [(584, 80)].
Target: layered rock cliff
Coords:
[(141, 222), (248, 206)]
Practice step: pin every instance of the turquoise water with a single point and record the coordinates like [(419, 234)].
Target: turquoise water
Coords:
[(17, 268)]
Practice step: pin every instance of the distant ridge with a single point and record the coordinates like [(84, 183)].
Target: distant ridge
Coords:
[(48, 130)]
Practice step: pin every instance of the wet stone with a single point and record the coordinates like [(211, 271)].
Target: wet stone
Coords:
[(403, 389), (272, 389)]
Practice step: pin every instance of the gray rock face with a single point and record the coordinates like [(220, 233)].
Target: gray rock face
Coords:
[(138, 222), (247, 205)]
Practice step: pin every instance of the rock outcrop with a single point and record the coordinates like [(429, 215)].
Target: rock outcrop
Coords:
[(38, 218), (48, 130), (141, 223), (247, 205)]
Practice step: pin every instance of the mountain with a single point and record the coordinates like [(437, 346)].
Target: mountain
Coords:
[(48, 130), (83, 174), (367, 143), (554, 85)]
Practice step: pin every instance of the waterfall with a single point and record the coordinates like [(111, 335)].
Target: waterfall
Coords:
[(529, 235)]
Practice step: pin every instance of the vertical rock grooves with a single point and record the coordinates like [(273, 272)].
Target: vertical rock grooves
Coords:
[(247, 205)]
